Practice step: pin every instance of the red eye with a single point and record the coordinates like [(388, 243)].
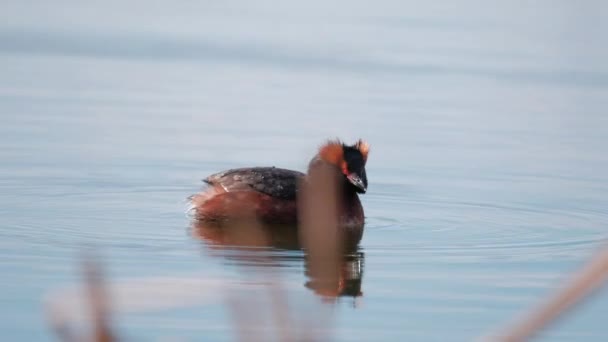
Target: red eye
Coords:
[(344, 168)]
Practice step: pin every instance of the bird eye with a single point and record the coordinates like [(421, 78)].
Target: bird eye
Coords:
[(344, 168)]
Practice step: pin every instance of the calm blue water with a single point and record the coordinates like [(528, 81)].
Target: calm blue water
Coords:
[(488, 170)]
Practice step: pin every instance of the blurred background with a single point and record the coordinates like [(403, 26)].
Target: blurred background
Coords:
[(488, 171)]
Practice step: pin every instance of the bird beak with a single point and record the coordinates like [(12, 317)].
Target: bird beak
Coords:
[(356, 181)]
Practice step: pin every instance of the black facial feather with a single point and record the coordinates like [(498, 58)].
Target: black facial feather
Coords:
[(355, 162)]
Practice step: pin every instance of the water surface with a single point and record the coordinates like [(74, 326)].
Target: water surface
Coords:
[(488, 169)]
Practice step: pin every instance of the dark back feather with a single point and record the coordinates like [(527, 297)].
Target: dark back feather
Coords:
[(272, 181)]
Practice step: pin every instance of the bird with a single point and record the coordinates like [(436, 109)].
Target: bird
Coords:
[(273, 195)]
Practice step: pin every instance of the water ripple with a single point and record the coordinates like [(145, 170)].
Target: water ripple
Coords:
[(452, 229)]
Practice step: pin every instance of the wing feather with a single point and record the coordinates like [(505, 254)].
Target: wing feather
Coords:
[(272, 181)]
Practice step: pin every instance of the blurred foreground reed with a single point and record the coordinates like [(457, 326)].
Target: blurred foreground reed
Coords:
[(329, 261), (589, 278)]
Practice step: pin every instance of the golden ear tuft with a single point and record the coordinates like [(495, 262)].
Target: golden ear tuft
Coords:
[(332, 152), (363, 147)]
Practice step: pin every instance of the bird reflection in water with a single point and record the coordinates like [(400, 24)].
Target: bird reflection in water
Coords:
[(257, 245)]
